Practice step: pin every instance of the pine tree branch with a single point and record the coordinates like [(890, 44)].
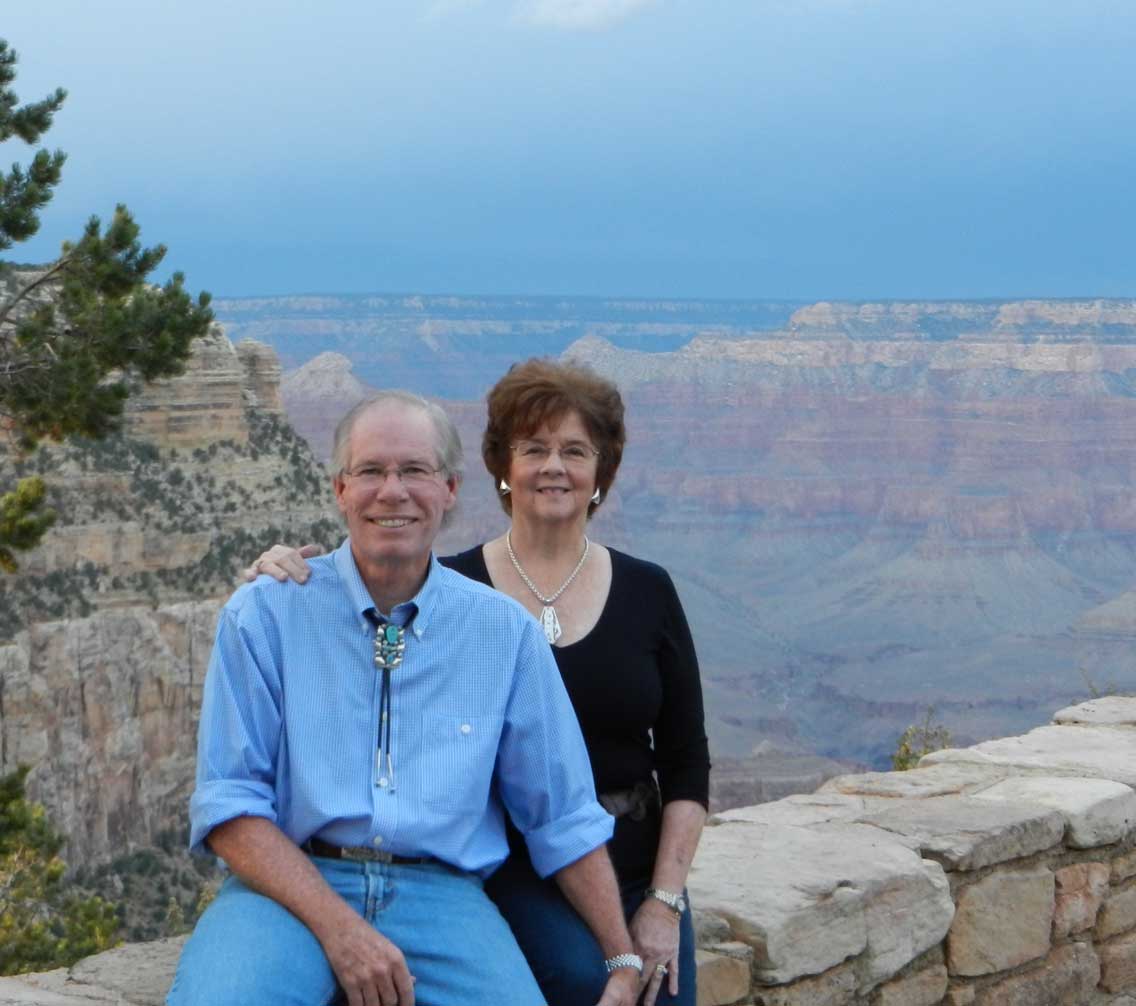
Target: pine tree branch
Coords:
[(58, 266)]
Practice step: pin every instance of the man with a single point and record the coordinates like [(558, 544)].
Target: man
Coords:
[(361, 739)]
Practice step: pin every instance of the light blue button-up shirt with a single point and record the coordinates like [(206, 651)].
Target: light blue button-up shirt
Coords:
[(480, 722)]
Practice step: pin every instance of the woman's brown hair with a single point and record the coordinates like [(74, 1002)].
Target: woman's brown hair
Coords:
[(541, 391)]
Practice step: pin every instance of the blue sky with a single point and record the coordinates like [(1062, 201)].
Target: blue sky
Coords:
[(802, 149)]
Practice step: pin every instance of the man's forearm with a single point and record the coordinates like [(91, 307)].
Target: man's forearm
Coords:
[(269, 862), (590, 885)]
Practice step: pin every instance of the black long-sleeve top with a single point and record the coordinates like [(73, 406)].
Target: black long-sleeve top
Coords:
[(634, 683)]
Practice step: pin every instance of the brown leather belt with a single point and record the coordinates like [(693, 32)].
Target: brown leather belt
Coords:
[(360, 853), (635, 803)]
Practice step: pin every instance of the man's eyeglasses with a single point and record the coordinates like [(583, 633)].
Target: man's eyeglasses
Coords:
[(411, 474), (534, 452)]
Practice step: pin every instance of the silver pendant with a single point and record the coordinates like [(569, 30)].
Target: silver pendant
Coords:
[(550, 623)]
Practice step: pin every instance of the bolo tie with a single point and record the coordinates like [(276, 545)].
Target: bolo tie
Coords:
[(390, 643)]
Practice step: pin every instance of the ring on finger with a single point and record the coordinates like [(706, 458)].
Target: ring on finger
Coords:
[(660, 970)]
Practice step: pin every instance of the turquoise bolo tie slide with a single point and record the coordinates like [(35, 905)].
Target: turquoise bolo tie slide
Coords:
[(390, 644)]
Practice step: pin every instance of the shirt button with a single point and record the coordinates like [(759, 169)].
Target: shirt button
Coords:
[(384, 782), (466, 728), (377, 840)]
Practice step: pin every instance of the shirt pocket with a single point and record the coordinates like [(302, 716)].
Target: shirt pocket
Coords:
[(461, 752)]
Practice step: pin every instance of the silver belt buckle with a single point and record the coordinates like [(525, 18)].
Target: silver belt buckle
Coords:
[(361, 854)]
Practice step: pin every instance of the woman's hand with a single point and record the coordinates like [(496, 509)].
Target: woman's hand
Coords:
[(654, 930), (282, 562)]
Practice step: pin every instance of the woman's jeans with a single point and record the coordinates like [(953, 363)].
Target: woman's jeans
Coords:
[(248, 949), (561, 950)]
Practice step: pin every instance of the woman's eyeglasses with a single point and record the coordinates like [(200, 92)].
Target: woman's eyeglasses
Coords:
[(535, 452)]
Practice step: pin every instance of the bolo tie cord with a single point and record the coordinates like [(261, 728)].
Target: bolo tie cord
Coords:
[(385, 728), (390, 643)]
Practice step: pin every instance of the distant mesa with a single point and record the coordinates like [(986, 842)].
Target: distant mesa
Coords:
[(316, 396), (1115, 618), (326, 375), (985, 320)]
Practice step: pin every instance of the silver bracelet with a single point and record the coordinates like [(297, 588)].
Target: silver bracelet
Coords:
[(624, 961)]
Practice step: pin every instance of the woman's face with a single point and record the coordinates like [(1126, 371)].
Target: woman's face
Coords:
[(553, 472)]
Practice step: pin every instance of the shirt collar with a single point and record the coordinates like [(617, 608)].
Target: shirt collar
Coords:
[(416, 612)]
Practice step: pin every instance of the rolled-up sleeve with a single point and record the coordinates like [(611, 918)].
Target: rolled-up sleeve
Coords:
[(543, 772), (239, 735)]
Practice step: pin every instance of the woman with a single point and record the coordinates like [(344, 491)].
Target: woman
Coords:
[(553, 444)]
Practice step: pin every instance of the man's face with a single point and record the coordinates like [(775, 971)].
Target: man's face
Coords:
[(393, 522)]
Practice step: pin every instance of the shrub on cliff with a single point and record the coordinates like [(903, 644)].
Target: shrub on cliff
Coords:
[(918, 740), (78, 335), (41, 925)]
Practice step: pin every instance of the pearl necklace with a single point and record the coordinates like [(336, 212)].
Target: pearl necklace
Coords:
[(548, 620)]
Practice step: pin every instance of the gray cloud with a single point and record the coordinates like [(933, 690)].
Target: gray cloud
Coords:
[(578, 14)]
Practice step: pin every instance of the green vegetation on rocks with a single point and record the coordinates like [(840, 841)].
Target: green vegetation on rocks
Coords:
[(44, 923), (918, 740), (227, 502), (159, 890)]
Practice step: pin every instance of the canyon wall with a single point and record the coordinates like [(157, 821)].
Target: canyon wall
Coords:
[(893, 518), (105, 632)]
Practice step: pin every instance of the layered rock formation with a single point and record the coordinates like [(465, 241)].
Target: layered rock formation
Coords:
[(897, 507), (108, 626), (1001, 875), (207, 407), (870, 509), (105, 710), (316, 396), (455, 347)]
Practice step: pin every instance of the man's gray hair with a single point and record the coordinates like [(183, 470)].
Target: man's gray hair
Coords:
[(447, 442)]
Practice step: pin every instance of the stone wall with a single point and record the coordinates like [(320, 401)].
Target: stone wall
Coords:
[(998, 875)]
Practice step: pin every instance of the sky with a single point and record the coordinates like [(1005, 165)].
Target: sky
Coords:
[(783, 149)]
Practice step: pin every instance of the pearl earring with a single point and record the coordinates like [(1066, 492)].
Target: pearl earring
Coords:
[(503, 489)]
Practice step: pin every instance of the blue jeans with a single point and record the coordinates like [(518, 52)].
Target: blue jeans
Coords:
[(561, 950), (248, 950)]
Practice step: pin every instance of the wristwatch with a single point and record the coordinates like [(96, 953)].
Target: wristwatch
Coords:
[(624, 961), (675, 902)]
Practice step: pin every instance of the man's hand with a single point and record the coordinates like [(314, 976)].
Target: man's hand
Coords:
[(622, 988), (371, 969), (282, 562), (654, 928)]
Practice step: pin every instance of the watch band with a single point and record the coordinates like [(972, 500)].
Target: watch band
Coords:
[(675, 902), (624, 961)]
